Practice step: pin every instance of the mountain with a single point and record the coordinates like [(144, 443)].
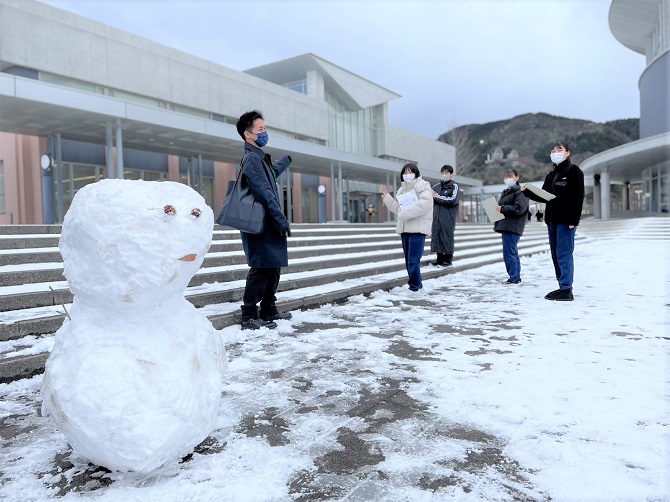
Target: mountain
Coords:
[(484, 151)]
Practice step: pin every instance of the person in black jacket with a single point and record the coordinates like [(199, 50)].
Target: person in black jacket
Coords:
[(445, 213), (266, 252), (514, 207), (562, 215)]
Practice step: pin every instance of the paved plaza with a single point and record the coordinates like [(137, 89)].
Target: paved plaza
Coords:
[(468, 390)]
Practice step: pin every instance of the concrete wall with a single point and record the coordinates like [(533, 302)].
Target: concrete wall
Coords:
[(38, 36), (655, 97), (430, 155), (23, 178)]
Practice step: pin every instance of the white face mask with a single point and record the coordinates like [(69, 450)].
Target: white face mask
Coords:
[(408, 177), (557, 157), (510, 182)]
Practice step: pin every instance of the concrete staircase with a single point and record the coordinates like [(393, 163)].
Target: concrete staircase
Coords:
[(327, 263)]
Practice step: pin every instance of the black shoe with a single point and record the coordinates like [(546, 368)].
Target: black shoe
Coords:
[(276, 317), (560, 295), (510, 281), (257, 323), (436, 263)]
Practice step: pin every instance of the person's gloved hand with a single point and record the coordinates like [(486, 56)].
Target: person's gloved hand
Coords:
[(286, 232)]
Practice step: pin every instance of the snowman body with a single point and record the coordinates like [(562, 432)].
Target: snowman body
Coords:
[(135, 376)]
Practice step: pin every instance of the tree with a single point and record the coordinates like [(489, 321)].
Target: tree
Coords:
[(467, 151)]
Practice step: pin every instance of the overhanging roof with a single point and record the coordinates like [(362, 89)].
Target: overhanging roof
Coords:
[(632, 21), (626, 162), (353, 90), (38, 108)]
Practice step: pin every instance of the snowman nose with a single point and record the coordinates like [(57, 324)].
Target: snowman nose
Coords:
[(188, 257)]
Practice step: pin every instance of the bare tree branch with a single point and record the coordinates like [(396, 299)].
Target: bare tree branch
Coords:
[(467, 152)]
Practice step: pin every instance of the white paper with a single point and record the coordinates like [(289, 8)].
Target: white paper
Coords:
[(407, 199), (489, 206), (539, 192)]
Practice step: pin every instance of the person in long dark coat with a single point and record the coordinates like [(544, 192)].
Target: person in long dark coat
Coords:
[(266, 252), (445, 213)]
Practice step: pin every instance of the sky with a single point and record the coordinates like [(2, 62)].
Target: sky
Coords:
[(568, 399), (454, 62)]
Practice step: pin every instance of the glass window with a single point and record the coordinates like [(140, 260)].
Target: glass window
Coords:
[(351, 130), (298, 86)]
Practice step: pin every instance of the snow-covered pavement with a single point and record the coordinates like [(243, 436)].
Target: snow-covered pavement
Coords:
[(468, 390)]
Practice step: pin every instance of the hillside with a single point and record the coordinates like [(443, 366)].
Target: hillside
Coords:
[(523, 142)]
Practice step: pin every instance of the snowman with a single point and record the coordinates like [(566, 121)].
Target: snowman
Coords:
[(135, 376)]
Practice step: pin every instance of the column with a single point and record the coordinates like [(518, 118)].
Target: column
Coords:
[(596, 197), (626, 196), (119, 150), (333, 213), (605, 195), (340, 216), (289, 198), (110, 151), (59, 180)]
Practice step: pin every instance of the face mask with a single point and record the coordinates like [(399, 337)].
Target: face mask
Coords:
[(446, 177), (557, 157), (262, 139), (510, 182), (408, 177)]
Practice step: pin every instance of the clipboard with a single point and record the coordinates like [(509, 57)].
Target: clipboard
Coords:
[(543, 194), (489, 206), (407, 199)]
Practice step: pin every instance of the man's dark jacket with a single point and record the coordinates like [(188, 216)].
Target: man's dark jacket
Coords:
[(445, 214), (267, 249), (514, 207), (566, 182)]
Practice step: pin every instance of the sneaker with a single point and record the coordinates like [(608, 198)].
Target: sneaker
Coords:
[(257, 323), (510, 281), (416, 289), (560, 295), (276, 317)]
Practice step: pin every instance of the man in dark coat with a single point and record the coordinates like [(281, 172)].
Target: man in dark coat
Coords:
[(562, 215), (266, 252), (445, 213)]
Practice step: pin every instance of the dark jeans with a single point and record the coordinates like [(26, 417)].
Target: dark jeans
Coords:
[(562, 244), (412, 246), (261, 287), (511, 255)]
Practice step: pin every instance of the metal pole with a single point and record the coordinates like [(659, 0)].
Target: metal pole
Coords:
[(59, 178), (110, 151), (119, 150)]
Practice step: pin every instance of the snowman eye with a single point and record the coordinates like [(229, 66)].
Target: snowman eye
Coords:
[(195, 212), (169, 209)]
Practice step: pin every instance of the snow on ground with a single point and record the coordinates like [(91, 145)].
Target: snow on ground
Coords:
[(469, 390)]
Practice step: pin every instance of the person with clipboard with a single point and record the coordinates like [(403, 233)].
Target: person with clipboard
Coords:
[(414, 205), (563, 193)]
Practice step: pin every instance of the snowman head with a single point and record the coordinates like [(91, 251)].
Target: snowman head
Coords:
[(134, 243)]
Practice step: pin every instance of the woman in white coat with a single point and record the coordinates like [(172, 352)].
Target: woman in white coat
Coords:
[(414, 205)]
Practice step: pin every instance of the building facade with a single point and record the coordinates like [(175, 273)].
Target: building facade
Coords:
[(81, 101), (642, 167)]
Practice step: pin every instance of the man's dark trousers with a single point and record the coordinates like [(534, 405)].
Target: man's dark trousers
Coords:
[(261, 287), (562, 245)]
